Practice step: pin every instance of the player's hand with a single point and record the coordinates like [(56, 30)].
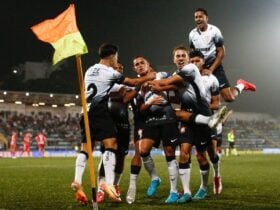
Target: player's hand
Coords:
[(155, 87), (157, 100), (151, 75)]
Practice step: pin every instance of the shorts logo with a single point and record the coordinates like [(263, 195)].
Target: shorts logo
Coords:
[(222, 85), (140, 132), (202, 143), (173, 140)]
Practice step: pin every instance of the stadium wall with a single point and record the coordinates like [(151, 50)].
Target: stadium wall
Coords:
[(27, 109)]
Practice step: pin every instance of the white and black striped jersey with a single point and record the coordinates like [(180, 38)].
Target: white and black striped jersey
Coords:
[(211, 85), (206, 41), (98, 80)]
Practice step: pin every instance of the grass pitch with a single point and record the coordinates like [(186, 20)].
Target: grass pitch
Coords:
[(249, 182)]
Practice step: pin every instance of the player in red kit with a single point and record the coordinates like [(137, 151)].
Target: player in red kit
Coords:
[(13, 144), (41, 142), (26, 143)]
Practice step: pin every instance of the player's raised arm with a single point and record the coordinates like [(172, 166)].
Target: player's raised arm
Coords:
[(140, 80)]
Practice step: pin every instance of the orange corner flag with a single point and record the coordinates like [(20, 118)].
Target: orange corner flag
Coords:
[(63, 34)]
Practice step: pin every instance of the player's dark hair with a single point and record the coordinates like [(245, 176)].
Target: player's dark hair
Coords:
[(202, 10), (106, 50), (140, 56), (196, 53)]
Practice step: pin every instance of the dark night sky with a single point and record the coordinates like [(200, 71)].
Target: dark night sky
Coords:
[(152, 28)]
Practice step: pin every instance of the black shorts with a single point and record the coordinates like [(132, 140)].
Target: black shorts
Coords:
[(216, 137), (220, 74), (197, 135), (123, 139), (100, 123), (219, 139), (167, 132)]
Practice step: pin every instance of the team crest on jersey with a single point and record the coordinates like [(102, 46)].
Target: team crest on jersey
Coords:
[(183, 129), (207, 39)]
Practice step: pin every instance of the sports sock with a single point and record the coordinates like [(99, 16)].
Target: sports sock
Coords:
[(101, 174), (101, 179), (133, 181), (201, 119), (173, 174), (239, 88), (134, 172), (109, 162), (185, 174), (150, 166), (80, 166), (204, 174), (216, 167), (117, 179)]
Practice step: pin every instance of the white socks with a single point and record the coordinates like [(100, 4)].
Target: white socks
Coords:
[(133, 181), (109, 162), (80, 167), (185, 174), (239, 87), (201, 119), (173, 174)]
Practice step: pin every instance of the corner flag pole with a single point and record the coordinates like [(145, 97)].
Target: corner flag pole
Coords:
[(88, 138)]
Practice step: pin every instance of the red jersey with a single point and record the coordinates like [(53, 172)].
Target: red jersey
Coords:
[(27, 139), (41, 139), (14, 139)]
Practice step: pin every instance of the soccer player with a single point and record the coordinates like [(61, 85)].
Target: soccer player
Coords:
[(209, 40), (119, 98), (193, 101), (142, 67), (26, 143), (98, 80), (13, 144), (41, 143), (212, 96), (160, 126)]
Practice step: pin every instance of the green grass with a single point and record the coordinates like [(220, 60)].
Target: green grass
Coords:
[(249, 182)]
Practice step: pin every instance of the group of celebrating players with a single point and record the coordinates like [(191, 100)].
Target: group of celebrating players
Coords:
[(196, 86)]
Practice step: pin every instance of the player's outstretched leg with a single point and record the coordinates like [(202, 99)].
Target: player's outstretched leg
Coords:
[(218, 117), (247, 85)]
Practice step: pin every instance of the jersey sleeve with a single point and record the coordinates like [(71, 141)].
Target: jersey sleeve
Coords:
[(218, 38), (117, 77), (191, 45), (215, 86), (187, 73)]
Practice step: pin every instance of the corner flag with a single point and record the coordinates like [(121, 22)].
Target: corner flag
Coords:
[(63, 34)]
